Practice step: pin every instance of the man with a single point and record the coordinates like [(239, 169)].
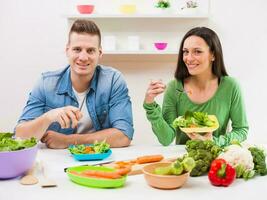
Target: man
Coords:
[(82, 103)]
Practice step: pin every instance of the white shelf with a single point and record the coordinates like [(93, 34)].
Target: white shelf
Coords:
[(137, 16), (158, 52), (140, 56)]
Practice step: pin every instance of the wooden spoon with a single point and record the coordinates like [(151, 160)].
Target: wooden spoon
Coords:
[(29, 178), (45, 181)]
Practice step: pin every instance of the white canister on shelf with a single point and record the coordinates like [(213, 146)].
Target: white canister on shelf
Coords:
[(133, 43), (109, 43)]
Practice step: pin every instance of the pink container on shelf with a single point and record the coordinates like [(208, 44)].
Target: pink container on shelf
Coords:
[(161, 45), (85, 9)]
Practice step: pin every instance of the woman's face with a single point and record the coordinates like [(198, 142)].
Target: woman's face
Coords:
[(197, 56)]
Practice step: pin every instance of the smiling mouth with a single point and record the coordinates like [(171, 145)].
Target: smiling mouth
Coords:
[(192, 66), (82, 65)]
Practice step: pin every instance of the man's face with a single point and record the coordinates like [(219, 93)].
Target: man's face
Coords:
[(83, 52)]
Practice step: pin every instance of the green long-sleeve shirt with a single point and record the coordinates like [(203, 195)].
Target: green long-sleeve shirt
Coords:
[(227, 104)]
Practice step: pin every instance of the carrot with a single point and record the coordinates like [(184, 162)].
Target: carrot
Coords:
[(85, 175), (123, 164), (74, 173), (88, 149), (149, 159), (123, 171), (103, 174), (132, 161)]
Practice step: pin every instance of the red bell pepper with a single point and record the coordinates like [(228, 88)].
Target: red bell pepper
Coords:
[(221, 173)]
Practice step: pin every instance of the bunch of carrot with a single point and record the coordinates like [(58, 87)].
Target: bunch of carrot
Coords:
[(121, 168)]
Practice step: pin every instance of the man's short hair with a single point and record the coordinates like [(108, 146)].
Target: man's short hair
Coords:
[(81, 26)]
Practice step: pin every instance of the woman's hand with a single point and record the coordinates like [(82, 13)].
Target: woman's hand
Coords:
[(154, 89), (197, 136)]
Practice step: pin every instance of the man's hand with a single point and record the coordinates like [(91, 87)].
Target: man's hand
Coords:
[(154, 89), (55, 140), (196, 136), (66, 116)]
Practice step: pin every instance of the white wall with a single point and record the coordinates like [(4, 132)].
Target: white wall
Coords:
[(33, 35)]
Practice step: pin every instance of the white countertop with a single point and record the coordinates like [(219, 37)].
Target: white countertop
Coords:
[(136, 187)]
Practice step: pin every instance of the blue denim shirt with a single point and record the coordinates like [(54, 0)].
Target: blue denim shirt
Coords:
[(108, 102)]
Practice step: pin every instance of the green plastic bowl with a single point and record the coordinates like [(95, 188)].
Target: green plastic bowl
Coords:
[(95, 182)]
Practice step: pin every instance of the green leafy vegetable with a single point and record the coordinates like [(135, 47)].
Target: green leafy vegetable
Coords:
[(97, 147), (188, 164), (77, 149), (7, 143), (164, 170), (101, 147), (193, 119), (259, 160), (178, 167)]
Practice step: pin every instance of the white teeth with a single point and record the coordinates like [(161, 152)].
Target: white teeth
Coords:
[(192, 66), (82, 65)]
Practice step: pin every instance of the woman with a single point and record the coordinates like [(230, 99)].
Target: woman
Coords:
[(201, 84)]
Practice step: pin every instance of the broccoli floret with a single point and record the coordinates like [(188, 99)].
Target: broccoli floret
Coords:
[(194, 144), (208, 144), (200, 168), (258, 160), (215, 151)]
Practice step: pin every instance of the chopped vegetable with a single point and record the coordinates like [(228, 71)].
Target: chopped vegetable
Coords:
[(164, 170), (101, 147), (7, 143), (221, 173), (97, 147), (193, 119), (188, 164), (178, 167)]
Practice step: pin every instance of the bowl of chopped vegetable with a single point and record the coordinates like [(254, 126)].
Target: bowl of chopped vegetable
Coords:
[(169, 175), (159, 175), (86, 152), (16, 155)]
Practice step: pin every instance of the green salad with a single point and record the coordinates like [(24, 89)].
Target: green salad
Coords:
[(7, 143), (193, 120), (97, 147)]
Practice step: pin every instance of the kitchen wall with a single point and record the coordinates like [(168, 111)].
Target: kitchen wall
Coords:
[(33, 36)]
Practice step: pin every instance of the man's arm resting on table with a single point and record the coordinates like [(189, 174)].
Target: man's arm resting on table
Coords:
[(33, 128), (113, 136), (66, 116)]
